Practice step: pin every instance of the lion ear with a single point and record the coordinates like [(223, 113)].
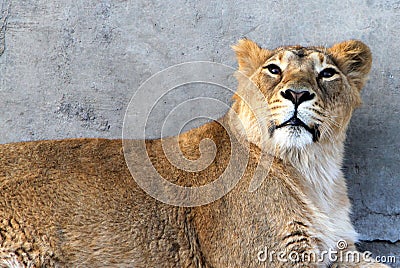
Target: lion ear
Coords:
[(354, 59), (250, 56)]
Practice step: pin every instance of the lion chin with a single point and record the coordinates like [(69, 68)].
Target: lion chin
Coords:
[(293, 137)]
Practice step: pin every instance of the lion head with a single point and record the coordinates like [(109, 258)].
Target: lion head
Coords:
[(308, 93)]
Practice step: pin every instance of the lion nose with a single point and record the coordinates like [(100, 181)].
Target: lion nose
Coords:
[(297, 97)]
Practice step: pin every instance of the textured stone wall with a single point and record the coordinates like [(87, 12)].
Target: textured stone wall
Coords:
[(69, 68)]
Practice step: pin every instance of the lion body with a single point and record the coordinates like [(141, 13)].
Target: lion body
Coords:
[(84, 208), (74, 203)]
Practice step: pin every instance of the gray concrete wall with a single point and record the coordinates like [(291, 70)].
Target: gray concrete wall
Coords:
[(69, 68)]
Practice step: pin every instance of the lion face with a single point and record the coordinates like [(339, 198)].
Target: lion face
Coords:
[(308, 93)]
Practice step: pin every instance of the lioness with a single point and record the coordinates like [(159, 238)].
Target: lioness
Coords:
[(71, 203)]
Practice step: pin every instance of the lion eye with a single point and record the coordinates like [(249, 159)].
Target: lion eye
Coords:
[(327, 73), (273, 69)]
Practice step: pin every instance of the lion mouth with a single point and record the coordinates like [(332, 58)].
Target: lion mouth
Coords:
[(296, 122)]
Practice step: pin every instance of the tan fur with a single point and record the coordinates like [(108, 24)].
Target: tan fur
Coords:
[(71, 203)]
